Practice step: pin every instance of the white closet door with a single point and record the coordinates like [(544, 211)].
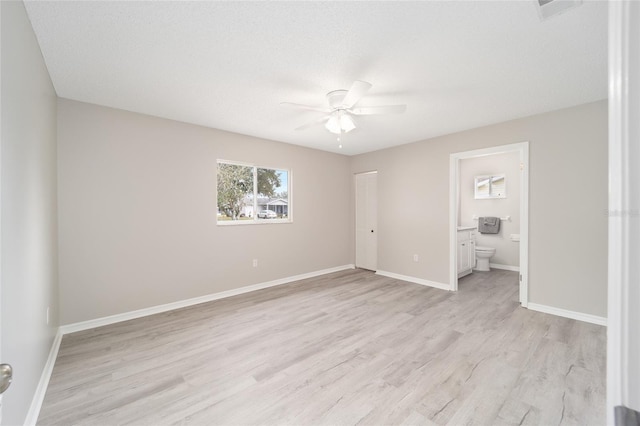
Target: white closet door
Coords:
[(367, 221)]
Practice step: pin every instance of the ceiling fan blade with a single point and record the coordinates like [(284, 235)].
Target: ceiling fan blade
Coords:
[(314, 123), (306, 107), (357, 91), (383, 109)]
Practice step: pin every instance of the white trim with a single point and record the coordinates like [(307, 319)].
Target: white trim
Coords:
[(236, 163), (41, 390), (524, 225), (414, 280), (454, 190), (623, 367), (616, 382), (504, 267), (99, 322), (252, 222), (593, 319), (38, 397), (1, 196), (483, 152)]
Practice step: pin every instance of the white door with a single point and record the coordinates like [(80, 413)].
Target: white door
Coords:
[(367, 221)]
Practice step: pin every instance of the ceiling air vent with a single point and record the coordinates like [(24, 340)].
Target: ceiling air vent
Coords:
[(549, 8)]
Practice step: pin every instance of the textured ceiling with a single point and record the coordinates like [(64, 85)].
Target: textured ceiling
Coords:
[(228, 65)]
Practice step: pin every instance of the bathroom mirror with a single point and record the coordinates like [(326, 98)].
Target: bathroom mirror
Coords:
[(490, 186)]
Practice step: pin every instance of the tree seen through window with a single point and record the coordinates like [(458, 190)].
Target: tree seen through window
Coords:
[(251, 193)]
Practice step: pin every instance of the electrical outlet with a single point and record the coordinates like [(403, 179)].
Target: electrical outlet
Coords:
[(415, 258), (255, 263), (48, 315)]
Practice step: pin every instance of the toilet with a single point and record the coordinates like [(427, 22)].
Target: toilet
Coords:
[(483, 254)]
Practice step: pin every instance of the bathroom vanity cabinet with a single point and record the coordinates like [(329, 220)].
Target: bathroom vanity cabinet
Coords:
[(466, 251)]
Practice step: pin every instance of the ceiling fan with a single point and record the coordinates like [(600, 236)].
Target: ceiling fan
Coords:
[(338, 117)]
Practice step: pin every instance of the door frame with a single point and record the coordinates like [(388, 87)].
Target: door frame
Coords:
[(454, 190), (0, 209), (623, 367)]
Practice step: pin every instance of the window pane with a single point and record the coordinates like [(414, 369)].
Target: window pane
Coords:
[(235, 192), (273, 194)]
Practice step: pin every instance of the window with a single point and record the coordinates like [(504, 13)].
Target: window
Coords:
[(250, 194), (490, 187)]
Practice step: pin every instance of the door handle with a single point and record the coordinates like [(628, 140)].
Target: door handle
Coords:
[(372, 230), (6, 375)]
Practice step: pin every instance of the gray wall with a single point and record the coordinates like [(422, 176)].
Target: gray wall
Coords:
[(137, 207), (507, 251), (567, 203), (29, 220)]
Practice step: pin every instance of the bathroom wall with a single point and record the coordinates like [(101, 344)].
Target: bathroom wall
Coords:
[(507, 251)]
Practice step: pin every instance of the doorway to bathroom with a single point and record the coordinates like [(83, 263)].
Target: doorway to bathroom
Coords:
[(482, 190)]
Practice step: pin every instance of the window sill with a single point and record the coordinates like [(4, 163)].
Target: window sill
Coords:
[(253, 222)]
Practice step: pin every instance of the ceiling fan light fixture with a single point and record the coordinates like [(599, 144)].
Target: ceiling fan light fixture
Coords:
[(333, 125), (340, 122), (339, 118), (346, 123)]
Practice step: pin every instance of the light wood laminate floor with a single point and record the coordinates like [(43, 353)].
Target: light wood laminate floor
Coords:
[(342, 349)]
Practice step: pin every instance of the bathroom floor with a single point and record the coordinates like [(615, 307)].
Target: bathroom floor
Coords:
[(496, 283)]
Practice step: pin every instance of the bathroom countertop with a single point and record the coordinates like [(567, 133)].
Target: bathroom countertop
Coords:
[(466, 228)]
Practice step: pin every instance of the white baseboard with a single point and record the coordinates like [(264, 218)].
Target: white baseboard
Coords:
[(41, 390), (593, 319), (125, 316), (505, 267), (38, 398), (414, 280)]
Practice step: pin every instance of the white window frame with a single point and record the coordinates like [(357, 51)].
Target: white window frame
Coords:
[(254, 220)]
